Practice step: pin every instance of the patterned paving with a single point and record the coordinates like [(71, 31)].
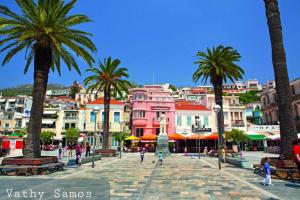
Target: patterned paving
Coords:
[(179, 177)]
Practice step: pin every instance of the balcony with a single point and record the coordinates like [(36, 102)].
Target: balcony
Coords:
[(139, 121), (71, 118), (237, 123)]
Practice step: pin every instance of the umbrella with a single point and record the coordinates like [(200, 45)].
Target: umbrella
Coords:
[(132, 137), (14, 134)]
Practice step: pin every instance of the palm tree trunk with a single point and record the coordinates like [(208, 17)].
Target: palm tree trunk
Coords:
[(42, 63), (107, 96), (288, 131), (219, 101)]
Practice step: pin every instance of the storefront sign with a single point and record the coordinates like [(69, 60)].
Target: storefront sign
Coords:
[(269, 128)]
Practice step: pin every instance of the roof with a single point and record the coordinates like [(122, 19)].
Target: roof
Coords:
[(101, 101), (186, 105)]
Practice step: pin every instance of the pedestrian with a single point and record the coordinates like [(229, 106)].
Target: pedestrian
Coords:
[(185, 151), (142, 153), (223, 154), (205, 152), (70, 149), (267, 170), (78, 154), (160, 158), (60, 150), (88, 150), (296, 152)]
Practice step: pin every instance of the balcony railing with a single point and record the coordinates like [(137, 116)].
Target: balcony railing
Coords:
[(71, 118), (237, 123)]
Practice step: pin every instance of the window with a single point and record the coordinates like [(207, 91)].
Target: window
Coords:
[(67, 126), (179, 121), (73, 125), (102, 117), (293, 90), (139, 114), (92, 117), (139, 132), (206, 120), (188, 120), (116, 117)]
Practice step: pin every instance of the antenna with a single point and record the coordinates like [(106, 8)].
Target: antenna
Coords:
[(153, 78)]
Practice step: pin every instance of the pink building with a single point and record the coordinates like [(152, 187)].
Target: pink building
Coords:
[(147, 104)]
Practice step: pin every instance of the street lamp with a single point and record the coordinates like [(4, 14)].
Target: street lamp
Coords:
[(217, 109), (96, 110), (198, 127)]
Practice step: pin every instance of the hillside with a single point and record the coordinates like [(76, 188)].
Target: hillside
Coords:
[(27, 89)]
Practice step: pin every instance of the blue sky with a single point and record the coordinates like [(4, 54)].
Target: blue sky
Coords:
[(163, 37)]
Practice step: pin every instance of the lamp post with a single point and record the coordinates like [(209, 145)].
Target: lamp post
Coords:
[(198, 127), (96, 110), (217, 109)]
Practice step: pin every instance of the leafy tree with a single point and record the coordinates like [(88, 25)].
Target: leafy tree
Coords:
[(75, 88), (218, 66), (72, 134), (108, 77), (45, 30), (288, 132), (120, 137), (46, 137), (249, 97), (236, 136), (173, 88)]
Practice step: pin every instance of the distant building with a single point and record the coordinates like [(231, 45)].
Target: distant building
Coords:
[(269, 103)]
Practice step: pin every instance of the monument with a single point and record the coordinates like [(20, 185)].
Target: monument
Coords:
[(163, 139)]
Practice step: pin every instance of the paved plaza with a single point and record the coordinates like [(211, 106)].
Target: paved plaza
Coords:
[(180, 177)]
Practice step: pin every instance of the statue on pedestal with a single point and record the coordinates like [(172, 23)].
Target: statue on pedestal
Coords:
[(163, 124)]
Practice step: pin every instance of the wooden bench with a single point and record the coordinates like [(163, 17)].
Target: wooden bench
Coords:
[(31, 169), (289, 172)]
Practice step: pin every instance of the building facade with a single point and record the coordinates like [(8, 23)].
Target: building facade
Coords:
[(147, 105)]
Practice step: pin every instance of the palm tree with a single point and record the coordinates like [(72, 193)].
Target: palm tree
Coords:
[(108, 78), (218, 65), (288, 131), (46, 31)]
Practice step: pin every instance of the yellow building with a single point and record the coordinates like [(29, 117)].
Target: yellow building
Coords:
[(116, 118)]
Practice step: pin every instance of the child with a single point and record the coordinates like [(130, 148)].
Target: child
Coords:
[(160, 157), (142, 155), (267, 180)]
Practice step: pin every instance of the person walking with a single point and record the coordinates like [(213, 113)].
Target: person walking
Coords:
[(205, 152), (160, 158), (88, 150), (78, 154), (296, 152), (142, 154), (60, 149), (223, 154), (267, 170), (70, 149)]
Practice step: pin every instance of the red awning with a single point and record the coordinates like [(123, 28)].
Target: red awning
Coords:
[(176, 136), (148, 137)]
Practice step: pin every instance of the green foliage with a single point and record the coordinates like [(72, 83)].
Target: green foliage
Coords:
[(26, 89), (72, 134), (218, 63), (236, 136), (249, 97), (75, 88), (119, 137), (46, 136), (48, 24), (173, 88), (108, 76)]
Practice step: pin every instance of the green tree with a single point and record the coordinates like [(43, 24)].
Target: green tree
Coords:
[(45, 29), (46, 137), (108, 77), (75, 88), (288, 131), (249, 97), (120, 137), (173, 88), (218, 66), (72, 134), (236, 136)]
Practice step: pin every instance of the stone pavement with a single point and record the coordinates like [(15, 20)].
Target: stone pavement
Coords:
[(179, 177)]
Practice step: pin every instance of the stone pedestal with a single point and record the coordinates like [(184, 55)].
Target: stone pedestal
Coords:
[(162, 144)]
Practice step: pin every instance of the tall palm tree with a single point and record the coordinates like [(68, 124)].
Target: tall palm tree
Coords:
[(218, 65), (288, 131), (46, 31), (108, 78)]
